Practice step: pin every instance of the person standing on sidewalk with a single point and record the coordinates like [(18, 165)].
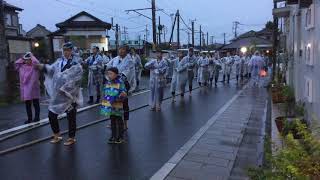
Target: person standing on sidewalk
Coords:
[(63, 81), (180, 75), (114, 91), (95, 66), (29, 84), (192, 62), (138, 67), (158, 68), (125, 65)]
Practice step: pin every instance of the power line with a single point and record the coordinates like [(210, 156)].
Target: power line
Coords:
[(95, 10), (185, 23)]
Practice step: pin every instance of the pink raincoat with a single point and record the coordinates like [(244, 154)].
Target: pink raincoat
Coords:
[(29, 79)]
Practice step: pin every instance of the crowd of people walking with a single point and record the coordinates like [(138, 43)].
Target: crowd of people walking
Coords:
[(111, 80)]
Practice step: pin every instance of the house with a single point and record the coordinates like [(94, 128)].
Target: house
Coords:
[(253, 40), (302, 35), (18, 43), (41, 42), (84, 30)]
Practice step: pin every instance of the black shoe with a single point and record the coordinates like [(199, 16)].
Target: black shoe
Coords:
[(36, 119), (27, 122), (112, 140), (119, 141), (98, 100), (90, 100)]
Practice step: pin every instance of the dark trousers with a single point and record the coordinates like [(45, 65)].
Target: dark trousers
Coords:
[(117, 126), (71, 117), (36, 105), (126, 109)]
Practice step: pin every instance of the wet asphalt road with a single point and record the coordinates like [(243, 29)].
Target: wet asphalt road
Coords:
[(152, 139)]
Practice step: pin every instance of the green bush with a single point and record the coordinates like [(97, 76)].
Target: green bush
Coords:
[(299, 159)]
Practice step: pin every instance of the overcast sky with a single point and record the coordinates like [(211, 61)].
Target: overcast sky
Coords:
[(215, 16)]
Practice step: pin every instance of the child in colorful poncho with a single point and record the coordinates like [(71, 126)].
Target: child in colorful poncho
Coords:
[(112, 104)]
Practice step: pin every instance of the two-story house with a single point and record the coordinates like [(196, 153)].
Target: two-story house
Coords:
[(18, 43)]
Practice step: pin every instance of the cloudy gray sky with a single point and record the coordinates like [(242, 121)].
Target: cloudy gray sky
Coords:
[(215, 16)]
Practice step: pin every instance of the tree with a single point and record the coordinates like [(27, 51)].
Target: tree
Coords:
[(269, 25)]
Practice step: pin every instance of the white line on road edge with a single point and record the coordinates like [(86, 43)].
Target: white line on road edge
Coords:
[(165, 170), (46, 120)]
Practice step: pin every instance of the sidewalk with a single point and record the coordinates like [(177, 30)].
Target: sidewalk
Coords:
[(229, 144)]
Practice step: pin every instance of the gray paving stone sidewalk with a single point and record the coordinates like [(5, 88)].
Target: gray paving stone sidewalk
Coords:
[(221, 148)]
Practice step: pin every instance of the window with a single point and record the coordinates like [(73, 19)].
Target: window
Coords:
[(129, 42), (309, 54), (15, 21), (8, 20), (310, 17), (308, 89), (136, 42)]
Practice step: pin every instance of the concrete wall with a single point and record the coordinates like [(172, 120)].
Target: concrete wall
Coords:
[(302, 45)]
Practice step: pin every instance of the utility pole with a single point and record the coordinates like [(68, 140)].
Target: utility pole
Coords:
[(236, 24), (174, 24), (154, 25), (160, 30), (212, 40), (117, 37), (178, 29), (3, 52), (164, 33), (207, 40), (275, 43), (224, 38), (125, 33), (192, 28), (200, 38)]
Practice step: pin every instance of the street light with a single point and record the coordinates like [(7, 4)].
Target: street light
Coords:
[(244, 50), (267, 51), (36, 44)]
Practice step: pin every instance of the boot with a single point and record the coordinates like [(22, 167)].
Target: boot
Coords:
[(98, 100), (90, 100)]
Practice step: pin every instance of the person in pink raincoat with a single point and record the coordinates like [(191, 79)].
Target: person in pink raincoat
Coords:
[(29, 85)]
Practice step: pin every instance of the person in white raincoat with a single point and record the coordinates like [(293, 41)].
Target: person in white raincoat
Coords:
[(192, 62), (63, 81), (95, 75), (257, 63), (228, 63), (180, 75), (203, 70), (138, 67), (158, 68), (106, 60), (217, 69), (237, 63), (211, 68), (242, 66), (125, 65)]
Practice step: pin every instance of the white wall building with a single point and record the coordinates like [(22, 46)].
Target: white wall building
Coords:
[(84, 30), (302, 31)]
